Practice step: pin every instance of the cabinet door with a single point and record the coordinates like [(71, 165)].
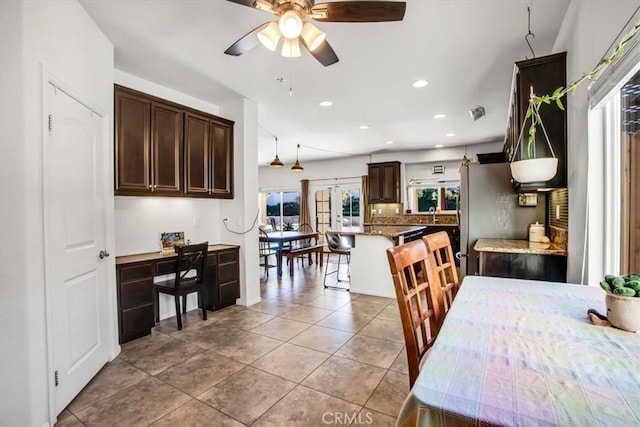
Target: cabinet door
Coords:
[(196, 153), (221, 135), (166, 148), (133, 150), (375, 178), (389, 183)]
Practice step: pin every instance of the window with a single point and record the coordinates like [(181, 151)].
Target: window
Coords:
[(350, 208), (282, 210), (430, 199)]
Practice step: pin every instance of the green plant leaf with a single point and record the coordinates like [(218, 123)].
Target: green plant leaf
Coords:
[(559, 104), (557, 92)]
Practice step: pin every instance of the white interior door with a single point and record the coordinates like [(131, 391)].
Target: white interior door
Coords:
[(74, 238)]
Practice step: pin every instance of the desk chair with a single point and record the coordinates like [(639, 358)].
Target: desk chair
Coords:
[(191, 258), (419, 299), (443, 265), (337, 245)]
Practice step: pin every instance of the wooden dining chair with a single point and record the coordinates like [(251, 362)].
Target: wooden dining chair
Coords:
[(266, 250), (419, 299), (190, 268), (443, 265)]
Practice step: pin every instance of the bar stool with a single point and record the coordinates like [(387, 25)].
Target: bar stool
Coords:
[(338, 246)]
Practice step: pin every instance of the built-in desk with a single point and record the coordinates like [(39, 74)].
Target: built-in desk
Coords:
[(135, 275)]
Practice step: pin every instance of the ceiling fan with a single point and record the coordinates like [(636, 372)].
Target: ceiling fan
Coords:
[(294, 28)]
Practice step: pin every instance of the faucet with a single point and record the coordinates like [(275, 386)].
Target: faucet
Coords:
[(432, 211)]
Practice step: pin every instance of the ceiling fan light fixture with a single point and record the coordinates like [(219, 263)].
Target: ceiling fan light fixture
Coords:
[(291, 48), (312, 36), (290, 24), (269, 36)]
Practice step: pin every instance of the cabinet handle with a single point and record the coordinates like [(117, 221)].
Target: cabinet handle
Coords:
[(155, 186)]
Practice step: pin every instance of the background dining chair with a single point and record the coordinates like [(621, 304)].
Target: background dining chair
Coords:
[(419, 299), (190, 267), (266, 250), (337, 245), (443, 265)]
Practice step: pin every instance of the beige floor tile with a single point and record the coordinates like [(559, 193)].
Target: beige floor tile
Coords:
[(328, 302), (65, 413), (297, 297), (138, 405), (363, 308), (346, 379), (372, 351), (247, 394), (376, 300), (345, 321), (197, 414), (158, 352), (307, 314), (246, 347), (208, 336), (247, 319), (391, 312), (322, 339), (384, 329), (291, 362), (275, 307), (390, 394), (281, 329), (68, 421), (374, 418), (112, 378), (307, 407), (190, 319), (200, 373), (400, 364)]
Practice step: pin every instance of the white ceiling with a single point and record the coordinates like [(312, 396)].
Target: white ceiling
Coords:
[(464, 48)]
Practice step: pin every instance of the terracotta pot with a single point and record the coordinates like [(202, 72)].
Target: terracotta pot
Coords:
[(534, 170), (623, 312)]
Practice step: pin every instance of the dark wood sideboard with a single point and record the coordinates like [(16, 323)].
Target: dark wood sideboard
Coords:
[(134, 279)]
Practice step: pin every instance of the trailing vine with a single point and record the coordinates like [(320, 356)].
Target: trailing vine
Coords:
[(535, 101)]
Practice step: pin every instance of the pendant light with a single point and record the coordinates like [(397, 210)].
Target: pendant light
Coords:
[(297, 167), (276, 163)]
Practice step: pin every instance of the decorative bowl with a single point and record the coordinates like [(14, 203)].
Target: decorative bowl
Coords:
[(534, 170), (623, 312)]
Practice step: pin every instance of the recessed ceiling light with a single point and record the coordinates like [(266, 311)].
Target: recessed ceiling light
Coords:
[(364, 127), (439, 146), (388, 142), (325, 103), (451, 134), (420, 83), (439, 116)]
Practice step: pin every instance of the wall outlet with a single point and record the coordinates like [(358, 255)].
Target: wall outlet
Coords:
[(397, 210), (557, 211), (379, 211)]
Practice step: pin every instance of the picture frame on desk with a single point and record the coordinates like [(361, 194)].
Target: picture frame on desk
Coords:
[(169, 239)]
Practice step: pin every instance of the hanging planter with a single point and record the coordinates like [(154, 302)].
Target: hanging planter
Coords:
[(533, 169)]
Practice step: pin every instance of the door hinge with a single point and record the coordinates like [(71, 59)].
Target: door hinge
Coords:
[(56, 379), (50, 122)]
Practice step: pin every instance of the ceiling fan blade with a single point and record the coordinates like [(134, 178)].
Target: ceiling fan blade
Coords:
[(246, 42), (323, 53), (359, 11), (257, 4)]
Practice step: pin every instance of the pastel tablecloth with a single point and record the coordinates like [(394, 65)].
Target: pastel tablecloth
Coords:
[(523, 353)]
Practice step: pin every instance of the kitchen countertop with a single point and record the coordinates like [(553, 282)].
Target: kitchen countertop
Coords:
[(518, 247), (426, 224), (391, 231), (151, 256)]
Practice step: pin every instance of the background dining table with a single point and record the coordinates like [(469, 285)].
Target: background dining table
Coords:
[(282, 237), (521, 352)]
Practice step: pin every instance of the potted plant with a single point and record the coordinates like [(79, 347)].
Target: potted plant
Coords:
[(535, 169)]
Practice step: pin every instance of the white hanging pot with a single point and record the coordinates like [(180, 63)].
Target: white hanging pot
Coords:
[(534, 170)]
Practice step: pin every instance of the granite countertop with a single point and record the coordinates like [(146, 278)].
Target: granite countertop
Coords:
[(518, 247), (150, 256), (382, 230), (426, 224)]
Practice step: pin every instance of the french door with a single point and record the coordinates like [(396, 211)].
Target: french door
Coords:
[(336, 206)]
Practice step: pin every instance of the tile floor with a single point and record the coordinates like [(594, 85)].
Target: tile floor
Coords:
[(304, 356)]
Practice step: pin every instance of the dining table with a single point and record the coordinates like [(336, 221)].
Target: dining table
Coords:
[(281, 238), (515, 352)]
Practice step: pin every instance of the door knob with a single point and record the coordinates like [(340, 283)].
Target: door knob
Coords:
[(103, 254)]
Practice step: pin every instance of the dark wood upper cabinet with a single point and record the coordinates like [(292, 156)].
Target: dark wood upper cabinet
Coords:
[(545, 74), (133, 143), (384, 182), (170, 150)]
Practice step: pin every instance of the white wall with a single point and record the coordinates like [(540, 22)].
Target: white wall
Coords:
[(272, 179), (588, 29), (61, 37)]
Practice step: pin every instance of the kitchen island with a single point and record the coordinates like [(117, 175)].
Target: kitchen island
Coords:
[(370, 272)]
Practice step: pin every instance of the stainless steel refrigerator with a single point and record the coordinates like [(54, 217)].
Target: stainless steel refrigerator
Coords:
[(489, 209)]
